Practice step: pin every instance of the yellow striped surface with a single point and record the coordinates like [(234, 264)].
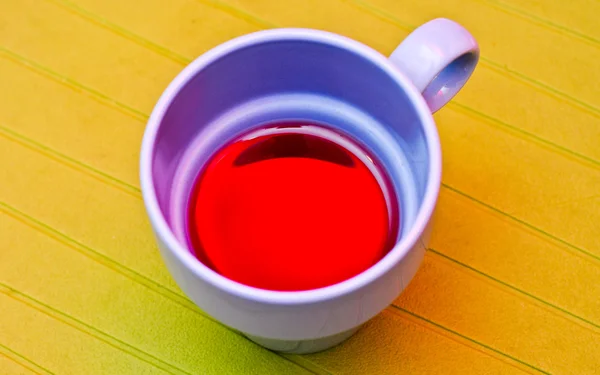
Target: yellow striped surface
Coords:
[(510, 284)]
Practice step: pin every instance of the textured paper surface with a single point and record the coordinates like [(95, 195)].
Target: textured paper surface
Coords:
[(511, 283)]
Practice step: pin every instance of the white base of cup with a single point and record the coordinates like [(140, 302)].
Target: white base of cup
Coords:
[(304, 346)]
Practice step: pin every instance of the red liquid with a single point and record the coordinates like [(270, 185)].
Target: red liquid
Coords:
[(289, 211)]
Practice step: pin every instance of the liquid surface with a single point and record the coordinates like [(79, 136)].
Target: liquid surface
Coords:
[(288, 209)]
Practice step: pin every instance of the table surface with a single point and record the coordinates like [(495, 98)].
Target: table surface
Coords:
[(510, 284)]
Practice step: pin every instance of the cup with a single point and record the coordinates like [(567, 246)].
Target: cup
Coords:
[(316, 76)]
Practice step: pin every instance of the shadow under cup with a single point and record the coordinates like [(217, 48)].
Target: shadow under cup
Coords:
[(244, 87)]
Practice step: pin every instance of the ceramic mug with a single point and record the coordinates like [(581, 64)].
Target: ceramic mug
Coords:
[(301, 74)]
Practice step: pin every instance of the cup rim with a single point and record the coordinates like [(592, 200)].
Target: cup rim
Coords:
[(206, 274)]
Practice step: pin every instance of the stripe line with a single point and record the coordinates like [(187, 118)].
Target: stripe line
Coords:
[(89, 330), (66, 160), (166, 52), (545, 23), (117, 267), (595, 257), (515, 359), (551, 306), (19, 358), (137, 195), (18, 363), (175, 296), (591, 160), (500, 68), (82, 89)]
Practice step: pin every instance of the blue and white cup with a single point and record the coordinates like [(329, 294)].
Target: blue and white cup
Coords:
[(316, 76)]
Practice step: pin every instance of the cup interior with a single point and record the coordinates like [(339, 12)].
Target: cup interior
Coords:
[(240, 87)]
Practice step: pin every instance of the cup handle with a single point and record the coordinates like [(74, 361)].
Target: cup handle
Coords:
[(438, 57)]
